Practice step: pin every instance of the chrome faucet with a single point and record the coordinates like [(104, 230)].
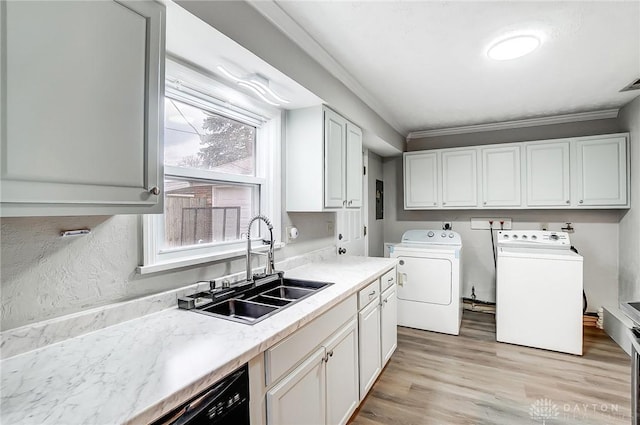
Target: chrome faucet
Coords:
[(269, 267)]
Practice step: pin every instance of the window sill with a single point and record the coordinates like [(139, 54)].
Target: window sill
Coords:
[(194, 261)]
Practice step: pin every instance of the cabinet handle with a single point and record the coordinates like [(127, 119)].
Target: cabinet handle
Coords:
[(344, 203), (390, 279), (568, 202), (434, 203), (444, 203), (372, 293), (350, 202), (484, 203), (581, 201), (155, 190)]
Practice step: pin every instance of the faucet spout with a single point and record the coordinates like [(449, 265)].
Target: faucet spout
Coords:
[(270, 266)]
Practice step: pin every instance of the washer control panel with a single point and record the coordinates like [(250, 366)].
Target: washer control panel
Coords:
[(434, 237), (534, 238)]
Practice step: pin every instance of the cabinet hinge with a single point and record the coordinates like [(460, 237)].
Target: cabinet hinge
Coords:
[(365, 230)]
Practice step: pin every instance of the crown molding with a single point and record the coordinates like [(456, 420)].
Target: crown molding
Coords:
[(506, 125), (285, 23)]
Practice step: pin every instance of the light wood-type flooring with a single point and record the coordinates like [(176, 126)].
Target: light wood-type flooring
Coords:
[(471, 379)]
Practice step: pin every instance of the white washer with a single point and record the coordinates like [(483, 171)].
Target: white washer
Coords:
[(429, 269), (539, 291)]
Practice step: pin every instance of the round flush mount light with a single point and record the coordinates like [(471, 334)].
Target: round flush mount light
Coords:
[(513, 47)]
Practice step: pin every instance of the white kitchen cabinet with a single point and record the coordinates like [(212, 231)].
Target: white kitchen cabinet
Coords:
[(459, 178), (353, 166), (601, 171), (300, 397), (388, 323), (369, 347), (547, 176), (501, 176), (335, 159), (82, 95), (421, 180), (323, 161), (342, 374)]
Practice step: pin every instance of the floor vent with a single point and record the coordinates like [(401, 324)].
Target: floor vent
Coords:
[(635, 85)]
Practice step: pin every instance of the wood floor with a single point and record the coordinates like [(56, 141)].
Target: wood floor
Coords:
[(471, 379)]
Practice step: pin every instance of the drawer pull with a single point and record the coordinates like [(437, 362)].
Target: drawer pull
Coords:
[(372, 293)]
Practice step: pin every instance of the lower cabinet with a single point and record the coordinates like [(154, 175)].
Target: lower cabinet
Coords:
[(300, 397), (369, 335), (388, 323), (324, 388)]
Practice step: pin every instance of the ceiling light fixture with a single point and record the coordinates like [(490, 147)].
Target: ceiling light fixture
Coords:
[(513, 47), (257, 84)]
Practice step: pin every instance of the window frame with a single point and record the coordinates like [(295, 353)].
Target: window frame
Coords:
[(267, 179)]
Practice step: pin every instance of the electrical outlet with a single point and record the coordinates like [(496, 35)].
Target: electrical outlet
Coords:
[(331, 228), (447, 225), (483, 223)]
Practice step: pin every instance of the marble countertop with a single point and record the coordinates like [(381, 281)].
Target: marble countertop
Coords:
[(137, 370)]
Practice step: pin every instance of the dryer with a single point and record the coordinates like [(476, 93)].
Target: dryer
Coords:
[(429, 280), (539, 291)]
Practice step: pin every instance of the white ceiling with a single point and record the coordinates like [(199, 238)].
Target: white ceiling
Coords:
[(422, 65)]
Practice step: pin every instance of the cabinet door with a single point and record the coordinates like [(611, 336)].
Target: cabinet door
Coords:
[(420, 180), (82, 113), (342, 374), (334, 159), (354, 166), (369, 346), (389, 323), (459, 178), (501, 177), (548, 174), (300, 397), (602, 171)]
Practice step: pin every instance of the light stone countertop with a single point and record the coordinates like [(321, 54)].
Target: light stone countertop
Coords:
[(137, 370)]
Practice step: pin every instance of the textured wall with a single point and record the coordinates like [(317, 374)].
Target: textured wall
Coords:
[(46, 276), (630, 224)]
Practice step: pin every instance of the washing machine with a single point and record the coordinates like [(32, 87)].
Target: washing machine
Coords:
[(429, 284), (539, 291)]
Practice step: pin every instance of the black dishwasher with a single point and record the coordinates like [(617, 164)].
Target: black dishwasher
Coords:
[(226, 403)]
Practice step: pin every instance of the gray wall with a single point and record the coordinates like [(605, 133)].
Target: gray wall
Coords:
[(629, 273), (375, 229), (596, 235)]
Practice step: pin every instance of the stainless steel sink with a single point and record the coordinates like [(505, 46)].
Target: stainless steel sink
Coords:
[(252, 303)]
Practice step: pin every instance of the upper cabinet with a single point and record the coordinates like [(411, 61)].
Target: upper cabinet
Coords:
[(547, 166), (82, 91), (459, 178), (323, 161), (421, 180), (501, 176), (601, 171), (582, 172)]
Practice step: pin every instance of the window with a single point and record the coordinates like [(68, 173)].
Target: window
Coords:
[(220, 168)]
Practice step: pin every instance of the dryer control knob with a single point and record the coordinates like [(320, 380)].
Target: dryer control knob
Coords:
[(430, 234), (444, 235), (451, 235)]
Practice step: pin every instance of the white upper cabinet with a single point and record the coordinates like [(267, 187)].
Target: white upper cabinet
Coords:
[(501, 176), (601, 171), (354, 168), (547, 178), (323, 161), (459, 178), (335, 159), (421, 180), (82, 91)]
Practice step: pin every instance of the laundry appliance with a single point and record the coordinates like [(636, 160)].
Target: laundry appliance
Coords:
[(429, 280), (539, 291)]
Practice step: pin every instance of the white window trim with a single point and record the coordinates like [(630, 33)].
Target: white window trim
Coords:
[(268, 171)]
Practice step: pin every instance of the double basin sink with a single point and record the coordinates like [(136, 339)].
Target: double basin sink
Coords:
[(254, 302)]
